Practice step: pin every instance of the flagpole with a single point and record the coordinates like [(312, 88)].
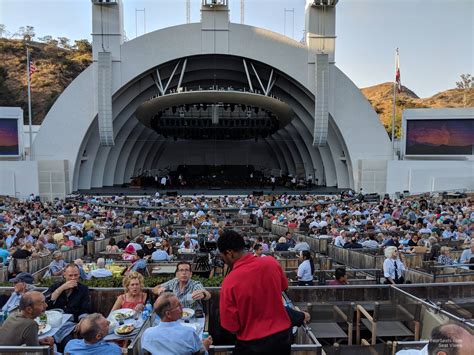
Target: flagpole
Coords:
[(29, 101), (394, 108)]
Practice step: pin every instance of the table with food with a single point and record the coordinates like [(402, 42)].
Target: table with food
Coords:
[(125, 324), (50, 322), (117, 270)]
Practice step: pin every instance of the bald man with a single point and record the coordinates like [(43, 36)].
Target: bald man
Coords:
[(20, 327), (451, 339), (93, 328)]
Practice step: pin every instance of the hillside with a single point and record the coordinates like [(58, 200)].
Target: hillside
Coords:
[(56, 68), (58, 64), (381, 98)]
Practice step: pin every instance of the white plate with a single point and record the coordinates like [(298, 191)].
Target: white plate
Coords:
[(124, 335), (46, 329), (127, 312), (190, 313)]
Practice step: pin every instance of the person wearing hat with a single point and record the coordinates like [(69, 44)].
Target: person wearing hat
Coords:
[(129, 253), (149, 248), (23, 282), (159, 254), (282, 245)]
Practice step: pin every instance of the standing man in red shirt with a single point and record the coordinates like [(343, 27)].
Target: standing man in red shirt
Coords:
[(251, 304)]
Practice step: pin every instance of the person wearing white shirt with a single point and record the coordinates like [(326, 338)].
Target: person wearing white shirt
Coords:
[(301, 245), (305, 269), (392, 267), (467, 254)]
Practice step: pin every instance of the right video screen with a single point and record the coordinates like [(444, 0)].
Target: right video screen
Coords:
[(440, 137)]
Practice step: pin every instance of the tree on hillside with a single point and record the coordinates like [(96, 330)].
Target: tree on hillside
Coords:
[(64, 42), (45, 39), (83, 46), (466, 84), (3, 30), (27, 33)]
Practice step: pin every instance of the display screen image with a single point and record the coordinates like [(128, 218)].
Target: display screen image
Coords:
[(9, 143), (440, 137)]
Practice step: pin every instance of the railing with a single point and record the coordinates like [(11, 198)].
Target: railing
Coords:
[(25, 350), (32, 265)]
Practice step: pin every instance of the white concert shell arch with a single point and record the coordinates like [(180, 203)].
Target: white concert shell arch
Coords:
[(70, 130)]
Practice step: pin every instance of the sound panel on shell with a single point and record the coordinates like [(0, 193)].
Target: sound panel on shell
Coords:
[(321, 114), (104, 91)]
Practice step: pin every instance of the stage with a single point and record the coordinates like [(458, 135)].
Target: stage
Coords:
[(128, 191)]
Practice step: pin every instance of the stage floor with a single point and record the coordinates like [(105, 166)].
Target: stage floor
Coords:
[(116, 190)]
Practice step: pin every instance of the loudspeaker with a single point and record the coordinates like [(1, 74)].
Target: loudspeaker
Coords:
[(172, 193), (257, 193)]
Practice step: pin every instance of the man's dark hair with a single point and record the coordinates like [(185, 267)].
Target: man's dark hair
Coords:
[(230, 240), (183, 263), (257, 246), (140, 253), (340, 272), (446, 338)]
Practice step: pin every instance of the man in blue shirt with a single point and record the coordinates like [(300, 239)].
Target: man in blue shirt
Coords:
[(93, 329), (159, 254), (23, 283), (140, 264), (467, 255), (170, 336), (4, 253)]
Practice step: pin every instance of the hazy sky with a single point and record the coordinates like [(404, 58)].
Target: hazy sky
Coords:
[(435, 37)]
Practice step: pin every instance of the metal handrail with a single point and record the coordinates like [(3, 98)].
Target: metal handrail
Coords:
[(435, 307)]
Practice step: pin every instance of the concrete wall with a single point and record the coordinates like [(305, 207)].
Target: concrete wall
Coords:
[(19, 178), (53, 176), (424, 176)]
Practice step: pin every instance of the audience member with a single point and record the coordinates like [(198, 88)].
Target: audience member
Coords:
[(20, 327), (189, 292), (134, 297), (93, 328), (170, 336)]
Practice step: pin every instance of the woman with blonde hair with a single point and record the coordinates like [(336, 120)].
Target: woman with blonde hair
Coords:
[(134, 297), (445, 257), (392, 267)]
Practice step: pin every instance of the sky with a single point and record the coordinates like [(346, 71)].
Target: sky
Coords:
[(435, 37)]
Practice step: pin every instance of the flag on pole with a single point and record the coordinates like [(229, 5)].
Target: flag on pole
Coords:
[(31, 69), (397, 73)]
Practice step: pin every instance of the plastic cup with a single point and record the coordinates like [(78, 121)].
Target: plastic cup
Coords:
[(205, 335)]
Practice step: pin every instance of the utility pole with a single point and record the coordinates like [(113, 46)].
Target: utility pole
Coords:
[(136, 21), (292, 11), (188, 11), (242, 11)]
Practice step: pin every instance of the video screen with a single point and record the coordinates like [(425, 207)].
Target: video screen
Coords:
[(9, 143), (440, 137)]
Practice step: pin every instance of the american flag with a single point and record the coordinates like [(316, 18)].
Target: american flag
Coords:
[(32, 69), (397, 73)]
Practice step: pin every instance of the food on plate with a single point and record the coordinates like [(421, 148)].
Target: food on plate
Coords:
[(125, 329), (123, 315), (41, 327), (186, 314)]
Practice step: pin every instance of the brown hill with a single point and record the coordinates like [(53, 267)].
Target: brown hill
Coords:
[(381, 98), (56, 68), (58, 64)]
